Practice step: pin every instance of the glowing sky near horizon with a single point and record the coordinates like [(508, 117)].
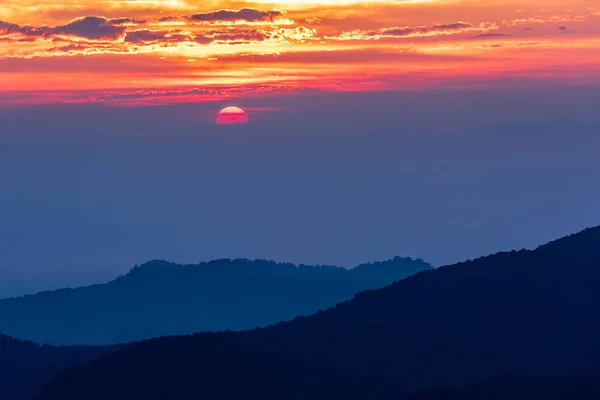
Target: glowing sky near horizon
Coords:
[(175, 50)]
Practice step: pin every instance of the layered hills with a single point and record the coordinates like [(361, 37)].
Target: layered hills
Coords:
[(160, 298), (519, 313)]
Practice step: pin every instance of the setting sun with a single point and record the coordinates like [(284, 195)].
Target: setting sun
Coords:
[(232, 115)]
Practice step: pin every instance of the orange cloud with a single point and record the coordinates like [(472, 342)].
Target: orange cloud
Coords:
[(161, 44), (85, 27), (92, 35), (243, 14), (417, 31), (144, 36), (555, 19)]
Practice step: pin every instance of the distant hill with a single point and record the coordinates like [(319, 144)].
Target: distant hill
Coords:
[(516, 313), (161, 298), (26, 367)]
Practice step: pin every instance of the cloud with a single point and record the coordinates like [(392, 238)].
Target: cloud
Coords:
[(169, 19), (122, 35), (91, 28), (143, 94), (207, 92), (298, 34), (246, 35), (491, 35), (178, 37), (360, 56), (243, 14), (126, 21), (416, 31), (126, 30), (229, 36), (556, 19), (203, 39), (421, 30), (7, 28), (73, 47), (17, 40), (142, 36)]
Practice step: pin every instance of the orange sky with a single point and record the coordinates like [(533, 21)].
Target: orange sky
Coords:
[(119, 51)]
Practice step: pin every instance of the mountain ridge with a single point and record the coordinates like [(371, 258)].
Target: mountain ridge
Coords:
[(160, 298), (523, 387), (25, 367), (518, 312)]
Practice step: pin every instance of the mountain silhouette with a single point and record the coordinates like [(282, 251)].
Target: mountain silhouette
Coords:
[(528, 312), (26, 367), (161, 298), (523, 387)]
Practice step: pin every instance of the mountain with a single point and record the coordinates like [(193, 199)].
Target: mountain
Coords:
[(26, 367), (160, 298), (523, 387), (528, 312)]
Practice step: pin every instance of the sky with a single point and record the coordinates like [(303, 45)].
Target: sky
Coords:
[(444, 130), (131, 51)]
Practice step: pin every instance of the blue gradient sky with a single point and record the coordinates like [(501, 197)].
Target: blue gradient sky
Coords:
[(87, 191)]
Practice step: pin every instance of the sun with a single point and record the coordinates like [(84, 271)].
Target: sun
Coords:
[(232, 115)]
